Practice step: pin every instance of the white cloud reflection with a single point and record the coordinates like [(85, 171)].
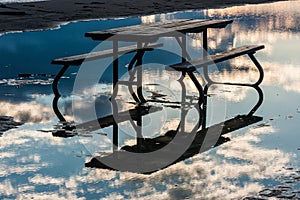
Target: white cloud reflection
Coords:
[(28, 112), (281, 74), (6, 188), (278, 13), (46, 180), (208, 175)]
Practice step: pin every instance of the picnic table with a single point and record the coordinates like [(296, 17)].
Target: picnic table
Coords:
[(145, 36)]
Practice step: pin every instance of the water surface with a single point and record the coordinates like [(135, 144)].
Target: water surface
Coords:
[(35, 164)]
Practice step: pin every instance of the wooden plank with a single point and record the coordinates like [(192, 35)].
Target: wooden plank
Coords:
[(140, 27), (121, 117), (187, 26), (156, 30), (161, 29), (212, 59), (79, 59), (174, 25), (202, 25)]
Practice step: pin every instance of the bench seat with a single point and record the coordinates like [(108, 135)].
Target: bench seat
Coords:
[(192, 65), (77, 60)]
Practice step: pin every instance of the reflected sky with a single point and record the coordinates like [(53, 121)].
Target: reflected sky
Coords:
[(37, 165), (36, 173)]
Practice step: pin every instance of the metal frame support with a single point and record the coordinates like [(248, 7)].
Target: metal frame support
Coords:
[(57, 94), (257, 83), (139, 72), (115, 91), (205, 105), (201, 97), (259, 102), (183, 106), (260, 69), (205, 54), (131, 81)]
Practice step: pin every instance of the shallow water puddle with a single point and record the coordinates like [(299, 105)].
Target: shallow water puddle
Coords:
[(260, 161)]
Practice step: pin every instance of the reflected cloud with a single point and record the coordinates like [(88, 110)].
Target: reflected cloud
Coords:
[(148, 19), (94, 175), (49, 195), (19, 170), (31, 158), (46, 180), (7, 155), (25, 188), (216, 39), (286, 75), (274, 16), (27, 112), (155, 18), (17, 148), (6, 188), (276, 73)]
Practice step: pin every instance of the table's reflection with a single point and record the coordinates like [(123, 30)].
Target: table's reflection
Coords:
[(196, 139)]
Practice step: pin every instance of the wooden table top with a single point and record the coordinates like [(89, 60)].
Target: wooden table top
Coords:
[(151, 32)]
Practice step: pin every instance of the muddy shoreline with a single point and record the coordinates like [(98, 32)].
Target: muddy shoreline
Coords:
[(49, 14)]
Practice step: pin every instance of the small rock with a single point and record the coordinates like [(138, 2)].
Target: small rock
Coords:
[(265, 124), (270, 192), (6, 123), (289, 181), (296, 177), (253, 198), (283, 188), (286, 196)]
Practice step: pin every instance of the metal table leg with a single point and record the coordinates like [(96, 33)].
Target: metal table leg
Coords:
[(139, 72), (131, 81), (201, 96), (259, 102), (57, 94), (115, 91), (185, 57), (260, 70)]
